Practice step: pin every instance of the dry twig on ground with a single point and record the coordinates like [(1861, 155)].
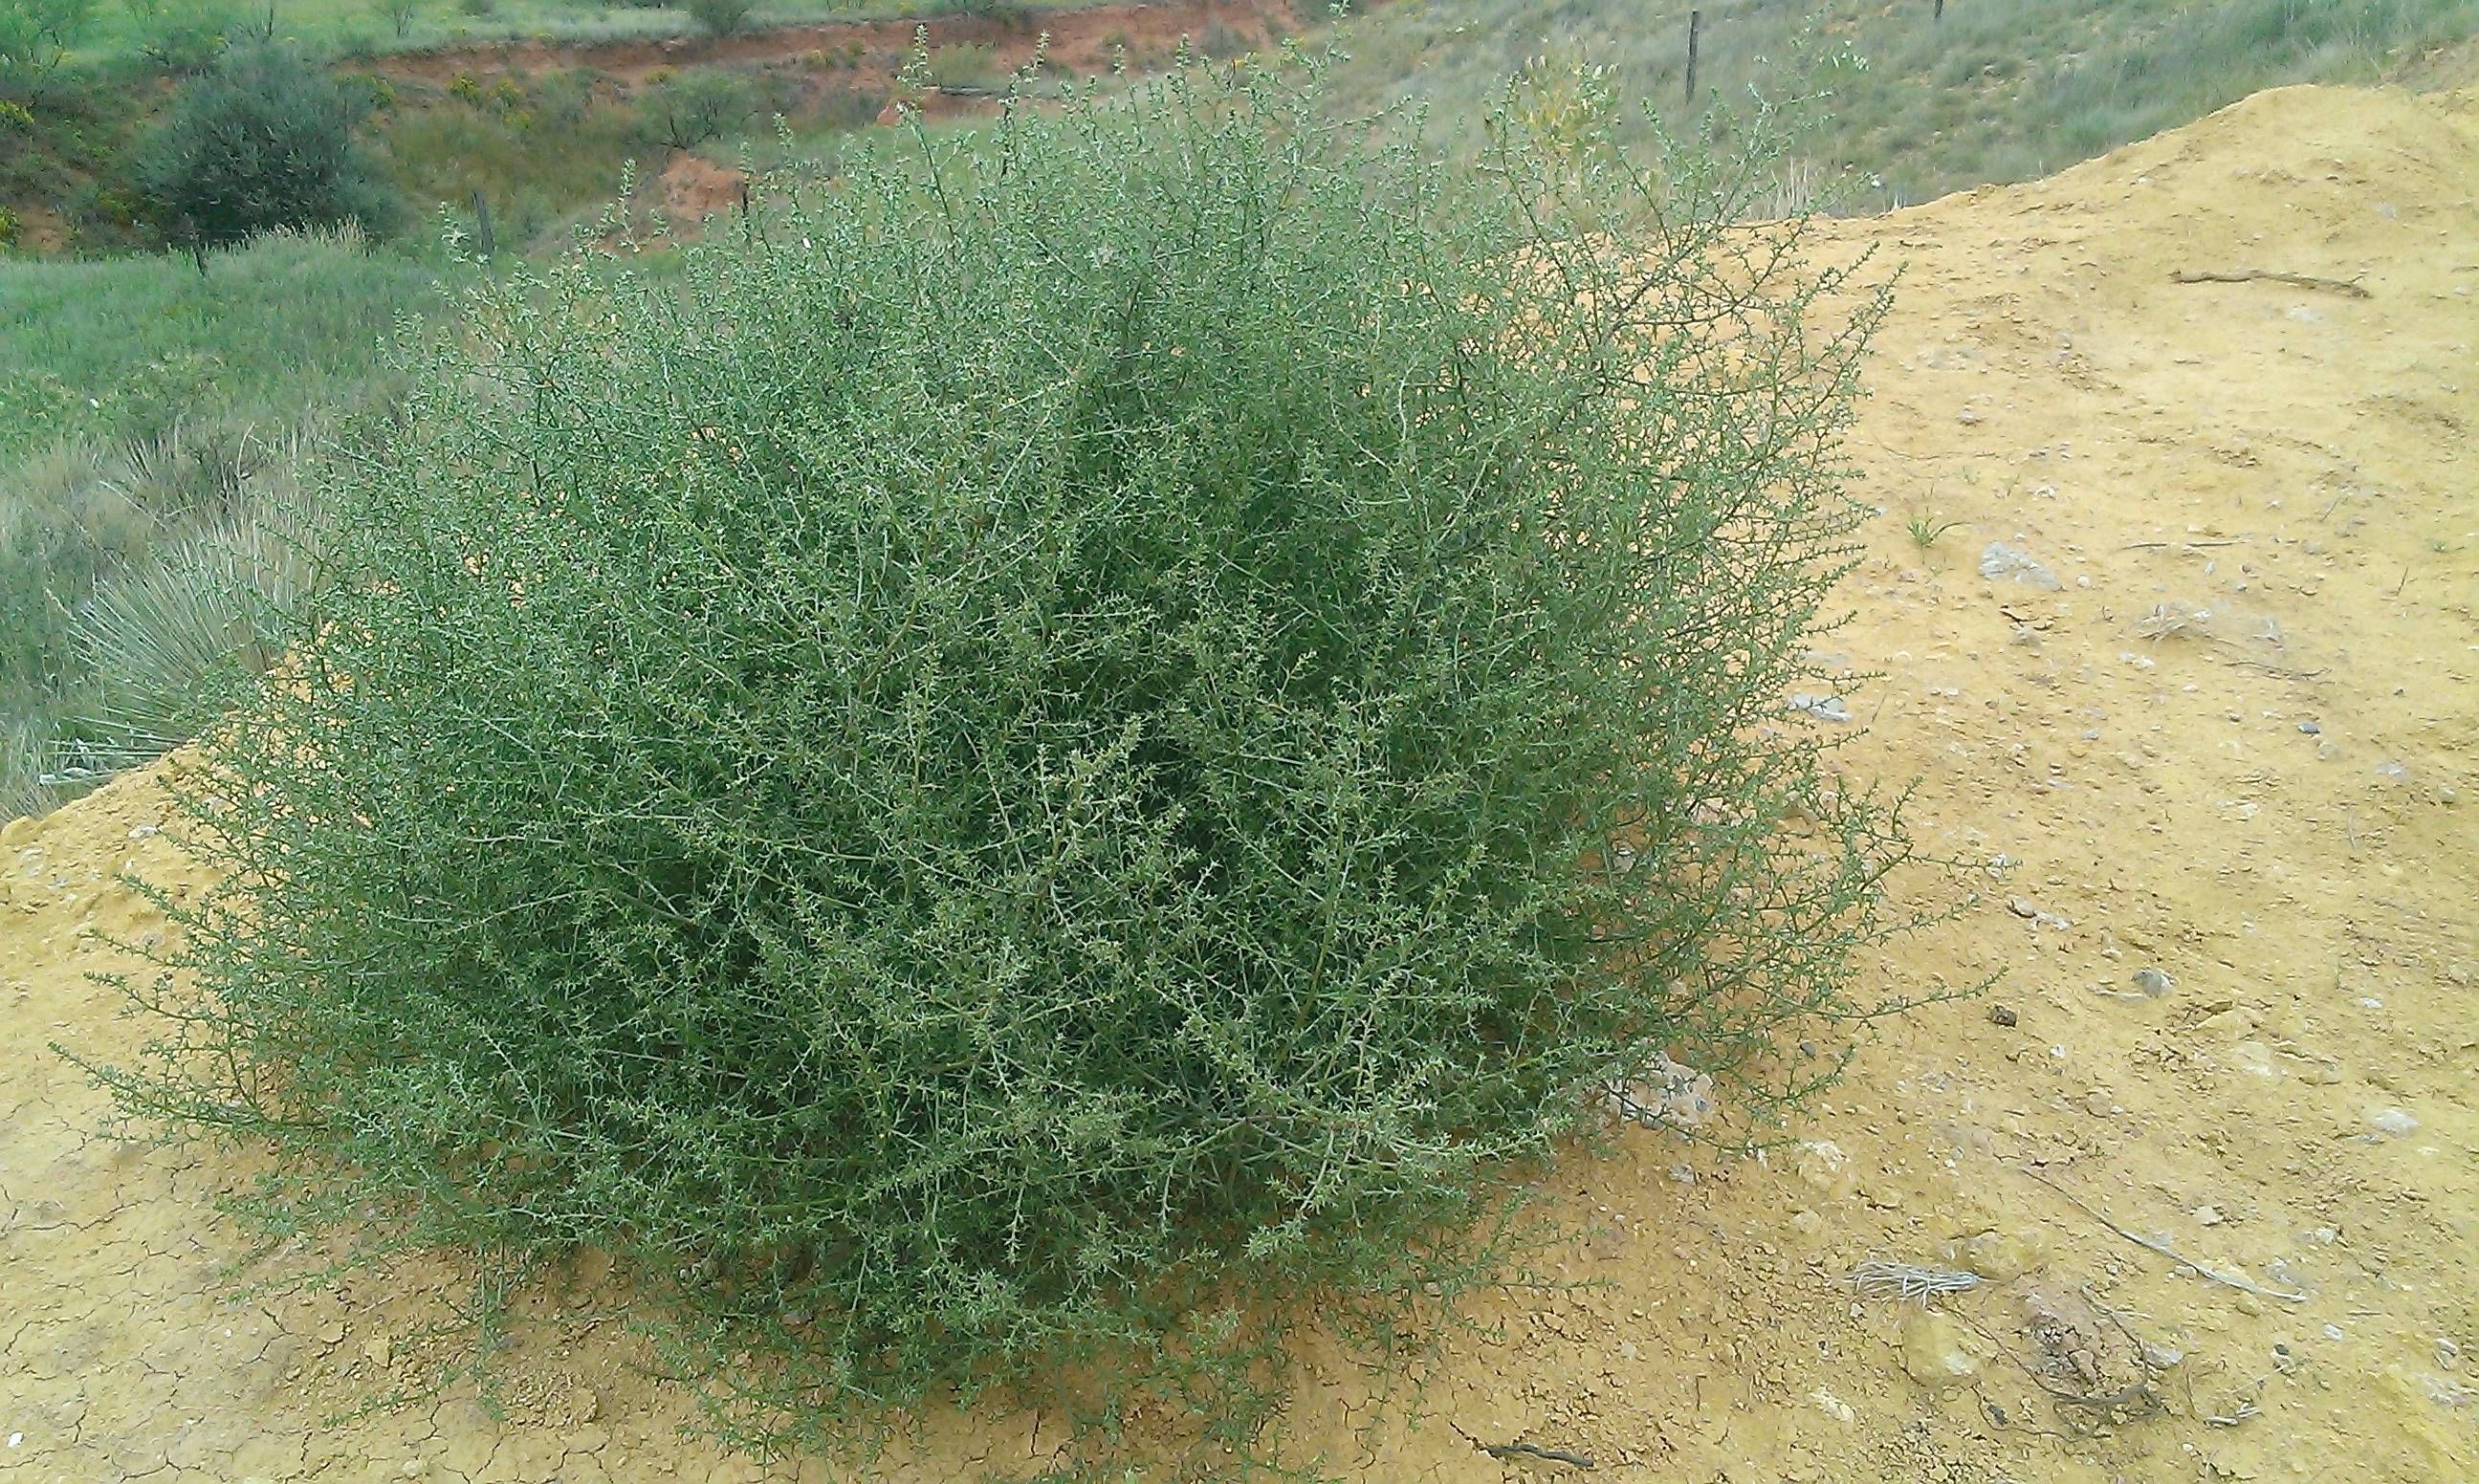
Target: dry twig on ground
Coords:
[(2256, 275), (2149, 1244)]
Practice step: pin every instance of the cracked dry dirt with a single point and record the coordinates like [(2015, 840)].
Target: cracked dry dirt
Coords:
[(2234, 746)]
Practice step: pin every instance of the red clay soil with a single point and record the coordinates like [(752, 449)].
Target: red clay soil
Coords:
[(1082, 41), (692, 188)]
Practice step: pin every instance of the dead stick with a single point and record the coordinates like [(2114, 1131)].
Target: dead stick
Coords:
[(2156, 546), (2269, 668), (2261, 275), (1528, 1451), (2146, 1243)]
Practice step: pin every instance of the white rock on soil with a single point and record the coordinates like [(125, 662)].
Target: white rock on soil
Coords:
[(2001, 563), (2392, 1121)]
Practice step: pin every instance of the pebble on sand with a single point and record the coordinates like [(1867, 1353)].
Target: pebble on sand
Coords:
[(2392, 1121), (1939, 1353), (2001, 563)]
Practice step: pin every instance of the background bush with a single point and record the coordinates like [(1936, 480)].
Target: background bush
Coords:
[(695, 107), (263, 140), (182, 37), (36, 36), (1060, 749), (720, 18)]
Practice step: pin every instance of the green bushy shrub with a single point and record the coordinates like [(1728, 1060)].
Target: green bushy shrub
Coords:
[(265, 139), (1049, 753), (970, 65), (183, 35), (36, 36), (400, 14), (695, 107), (720, 18)]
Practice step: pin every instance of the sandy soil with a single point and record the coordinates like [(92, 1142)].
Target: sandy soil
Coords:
[(2232, 752)]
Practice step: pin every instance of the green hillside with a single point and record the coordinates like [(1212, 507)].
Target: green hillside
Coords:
[(1911, 105)]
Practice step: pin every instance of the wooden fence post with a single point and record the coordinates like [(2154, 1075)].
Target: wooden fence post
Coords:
[(1940, 9), (485, 241), (1695, 24)]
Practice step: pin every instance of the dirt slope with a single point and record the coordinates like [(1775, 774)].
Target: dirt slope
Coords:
[(2234, 746)]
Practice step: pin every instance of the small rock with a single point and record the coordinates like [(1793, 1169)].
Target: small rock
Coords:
[(2209, 1216), (2153, 982), (1824, 708), (1939, 1353), (2160, 1357), (2001, 1015), (2391, 772), (331, 1331), (2022, 908), (1832, 1406), (2311, 729), (1806, 1222), (1826, 1169), (2002, 1256), (2394, 1121), (2001, 562), (574, 1406), (380, 1352), (35, 1216), (1671, 1095)]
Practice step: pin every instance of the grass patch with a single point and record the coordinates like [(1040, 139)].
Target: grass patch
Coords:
[(122, 349), (1998, 90), (365, 28), (540, 150), (147, 416)]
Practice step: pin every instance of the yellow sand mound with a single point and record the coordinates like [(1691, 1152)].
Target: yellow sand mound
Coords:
[(2219, 779)]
